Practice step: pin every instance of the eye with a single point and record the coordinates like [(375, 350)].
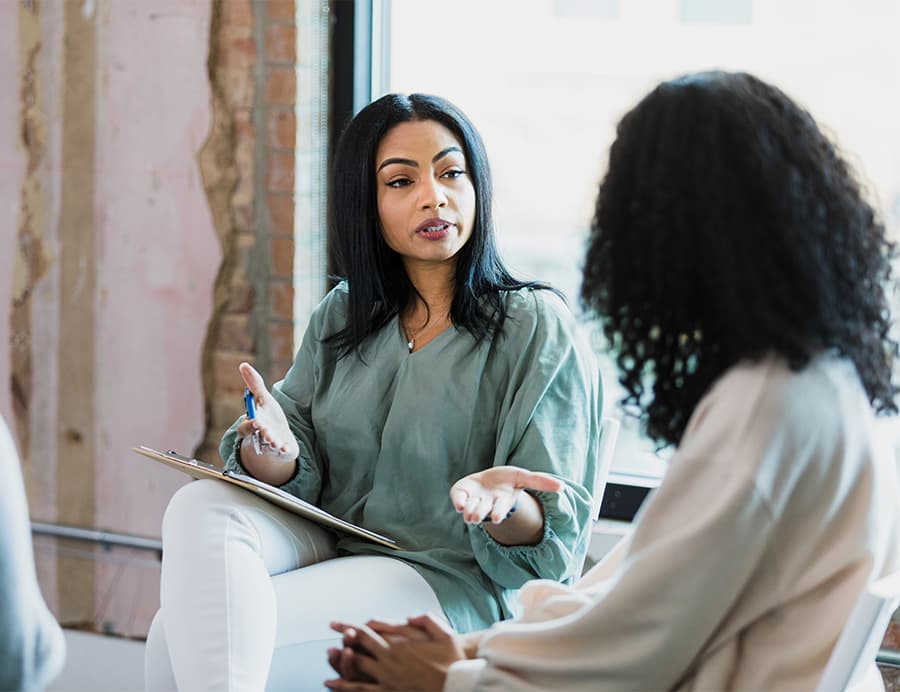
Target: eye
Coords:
[(454, 173), (399, 182)]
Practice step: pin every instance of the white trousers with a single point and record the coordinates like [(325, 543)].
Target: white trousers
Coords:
[(237, 611)]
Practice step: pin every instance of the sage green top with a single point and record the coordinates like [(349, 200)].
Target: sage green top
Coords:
[(383, 438)]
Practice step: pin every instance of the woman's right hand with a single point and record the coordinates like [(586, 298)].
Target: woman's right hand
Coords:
[(277, 442)]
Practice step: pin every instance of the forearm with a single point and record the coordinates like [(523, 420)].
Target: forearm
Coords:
[(524, 527), (265, 467), (33, 648)]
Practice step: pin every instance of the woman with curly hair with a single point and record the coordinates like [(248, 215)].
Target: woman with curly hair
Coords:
[(741, 278)]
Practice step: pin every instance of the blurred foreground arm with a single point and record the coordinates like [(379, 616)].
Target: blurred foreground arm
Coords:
[(32, 648)]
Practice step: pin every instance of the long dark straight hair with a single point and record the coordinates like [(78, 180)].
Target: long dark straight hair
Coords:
[(379, 287)]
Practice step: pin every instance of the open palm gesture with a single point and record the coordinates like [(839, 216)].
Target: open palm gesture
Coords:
[(493, 493), (275, 436)]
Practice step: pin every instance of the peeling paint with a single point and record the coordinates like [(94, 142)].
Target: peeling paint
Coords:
[(31, 259), (219, 171)]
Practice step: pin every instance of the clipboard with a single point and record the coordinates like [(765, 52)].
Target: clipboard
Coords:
[(200, 469)]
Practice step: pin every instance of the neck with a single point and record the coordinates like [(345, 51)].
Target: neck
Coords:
[(434, 283)]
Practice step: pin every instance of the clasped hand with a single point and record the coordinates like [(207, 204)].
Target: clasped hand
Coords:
[(383, 656)]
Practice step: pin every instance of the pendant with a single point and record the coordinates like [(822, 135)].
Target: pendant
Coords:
[(411, 345)]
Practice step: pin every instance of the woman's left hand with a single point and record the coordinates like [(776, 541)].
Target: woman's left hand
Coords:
[(414, 656), (492, 493)]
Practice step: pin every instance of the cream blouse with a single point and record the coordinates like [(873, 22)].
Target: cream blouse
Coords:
[(779, 505)]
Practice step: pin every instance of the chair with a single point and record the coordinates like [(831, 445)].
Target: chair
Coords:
[(851, 665), (609, 433)]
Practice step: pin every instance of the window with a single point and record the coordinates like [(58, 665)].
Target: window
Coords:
[(546, 81)]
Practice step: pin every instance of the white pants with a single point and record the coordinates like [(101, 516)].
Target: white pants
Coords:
[(236, 611)]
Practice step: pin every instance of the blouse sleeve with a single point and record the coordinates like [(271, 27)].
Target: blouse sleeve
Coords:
[(550, 422), (295, 394), (32, 647)]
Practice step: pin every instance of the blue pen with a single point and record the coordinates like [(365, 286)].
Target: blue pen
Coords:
[(250, 405)]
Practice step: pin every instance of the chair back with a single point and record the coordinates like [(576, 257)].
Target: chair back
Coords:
[(851, 665), (609, 433)]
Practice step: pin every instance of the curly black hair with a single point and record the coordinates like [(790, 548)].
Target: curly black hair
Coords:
[(727, 227)]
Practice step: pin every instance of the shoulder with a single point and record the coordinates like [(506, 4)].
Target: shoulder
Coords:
[(531, 309), (769, 415), (331, 312), (819, 393), (539, 324)]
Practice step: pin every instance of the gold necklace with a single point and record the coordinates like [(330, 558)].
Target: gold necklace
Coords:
[(411, 340)]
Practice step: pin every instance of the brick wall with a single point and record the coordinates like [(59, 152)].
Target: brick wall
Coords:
[(248, 172)]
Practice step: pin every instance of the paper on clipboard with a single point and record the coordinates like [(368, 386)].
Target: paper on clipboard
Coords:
[(199, 469)]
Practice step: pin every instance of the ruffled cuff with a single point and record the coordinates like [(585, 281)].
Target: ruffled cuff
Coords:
[(463, 676), (305, 483), (551, 512), (511, 566)]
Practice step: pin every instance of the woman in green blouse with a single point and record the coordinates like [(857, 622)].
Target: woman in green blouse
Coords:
[(435, 399)]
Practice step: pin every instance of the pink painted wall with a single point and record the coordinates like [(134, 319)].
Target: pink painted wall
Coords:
[(12, 165), (157, 250), (156, 257)]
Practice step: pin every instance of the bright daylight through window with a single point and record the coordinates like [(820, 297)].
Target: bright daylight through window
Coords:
[(545, 82)]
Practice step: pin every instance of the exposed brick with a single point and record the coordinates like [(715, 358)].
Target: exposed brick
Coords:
[(244, 141), (890, 677), (226, 378), (237, 85), (282, 257), (279, 369), (281, 305), (281, 342), (281, 213), (892, 636), (242, 214), (237, 68), (240, 298), (281, 128), (225, 411), (244, 246), (281, 86), (280, 174), (234, 333), (237, 13), (243, 191), (281, 43), (235, 49), (243, 124), (281, 9)]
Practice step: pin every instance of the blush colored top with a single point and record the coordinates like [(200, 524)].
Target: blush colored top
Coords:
[(779, 506)]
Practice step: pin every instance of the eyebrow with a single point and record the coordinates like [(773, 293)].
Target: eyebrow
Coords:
[(409, 162)]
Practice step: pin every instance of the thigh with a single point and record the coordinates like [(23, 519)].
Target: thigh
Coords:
[(351, 589), (207, 514)]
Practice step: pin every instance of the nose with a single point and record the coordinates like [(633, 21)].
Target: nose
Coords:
[(434, 196)]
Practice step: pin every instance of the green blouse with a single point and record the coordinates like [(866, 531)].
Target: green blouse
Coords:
[(383, 438)]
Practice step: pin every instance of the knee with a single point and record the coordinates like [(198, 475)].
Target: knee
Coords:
[(195, 506)]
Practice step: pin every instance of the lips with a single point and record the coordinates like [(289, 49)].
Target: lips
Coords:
[(434, 227)]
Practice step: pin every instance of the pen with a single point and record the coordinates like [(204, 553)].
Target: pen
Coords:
[(249, 404)]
